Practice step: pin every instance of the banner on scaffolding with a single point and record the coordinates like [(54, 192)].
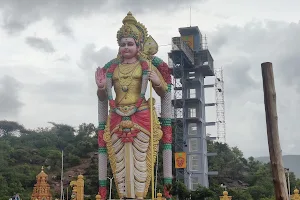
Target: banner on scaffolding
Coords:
[(180, 160), (189, 39)]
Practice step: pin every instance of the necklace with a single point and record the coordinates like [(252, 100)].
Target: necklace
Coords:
[(131, 63), (126, 80), (127, 68), (110, 69)]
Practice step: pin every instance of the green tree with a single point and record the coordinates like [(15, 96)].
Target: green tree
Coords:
[(238, 194), (201, 193), (8, 128), (24, 151), (180, 190)]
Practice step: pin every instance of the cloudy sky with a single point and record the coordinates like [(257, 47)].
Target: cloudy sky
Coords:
[(49, 52)]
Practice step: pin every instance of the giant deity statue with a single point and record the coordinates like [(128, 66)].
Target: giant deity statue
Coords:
[(130, 131)]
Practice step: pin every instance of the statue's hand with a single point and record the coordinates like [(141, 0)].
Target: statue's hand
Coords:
[(154, 78), (100, 77)]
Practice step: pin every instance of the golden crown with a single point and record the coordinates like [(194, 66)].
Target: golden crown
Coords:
[(133, 29)]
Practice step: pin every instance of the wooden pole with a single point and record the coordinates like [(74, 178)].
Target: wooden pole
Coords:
[(272, 132)]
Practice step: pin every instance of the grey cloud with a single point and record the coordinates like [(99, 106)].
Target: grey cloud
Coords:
[(241, 50), (65, 58), (253, 44), (42, 44), (92, 58), (10, 103), (288, 69), (239, 80), (64, 29), (14, 26), (63, 92), (17, 15), (287, 61), (219, 41), (155, 5)]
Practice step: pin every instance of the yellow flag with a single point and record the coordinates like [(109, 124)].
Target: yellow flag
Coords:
[(180, 160)]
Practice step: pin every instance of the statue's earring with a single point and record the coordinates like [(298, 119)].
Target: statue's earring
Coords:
[(139, 51)]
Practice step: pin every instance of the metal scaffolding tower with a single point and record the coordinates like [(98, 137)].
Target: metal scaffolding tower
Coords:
[(191, 63), (178, 105), (220, 106)]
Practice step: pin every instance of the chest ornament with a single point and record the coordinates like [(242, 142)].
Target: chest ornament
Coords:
[(145, 77)]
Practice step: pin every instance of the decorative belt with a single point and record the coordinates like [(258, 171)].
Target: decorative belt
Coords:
[(127, 110)]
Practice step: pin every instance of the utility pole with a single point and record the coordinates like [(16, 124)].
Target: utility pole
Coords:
[(272, 132), (110, 186), (61, 177), (287, 170)]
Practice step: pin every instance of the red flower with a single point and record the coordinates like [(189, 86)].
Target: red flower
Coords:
[(101, 142), (112, 103), (144, 65), (112, 68), (167, 192), (103, 192), (139, 102), (165, 72), (127, 136), (167, 134)]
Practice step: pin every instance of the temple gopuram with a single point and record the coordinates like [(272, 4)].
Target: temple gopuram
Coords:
[(41, 190)]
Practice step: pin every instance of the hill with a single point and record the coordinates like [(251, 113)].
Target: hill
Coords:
[(289, 161), (24, 151)]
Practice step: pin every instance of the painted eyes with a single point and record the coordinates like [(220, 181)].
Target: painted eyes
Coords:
[(130, 44)]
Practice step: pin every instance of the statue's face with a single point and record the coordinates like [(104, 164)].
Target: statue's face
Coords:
[(128, 48)]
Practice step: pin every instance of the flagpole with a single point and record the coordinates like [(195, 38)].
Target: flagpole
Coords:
[(151, 131), (61, 176)]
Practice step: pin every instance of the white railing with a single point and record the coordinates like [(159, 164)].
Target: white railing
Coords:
[(179, 44)]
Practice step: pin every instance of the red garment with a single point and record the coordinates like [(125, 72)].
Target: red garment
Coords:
[(141, 118)]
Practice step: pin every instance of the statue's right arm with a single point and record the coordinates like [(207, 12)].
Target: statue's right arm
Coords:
[(102, 94), (100, 77)]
